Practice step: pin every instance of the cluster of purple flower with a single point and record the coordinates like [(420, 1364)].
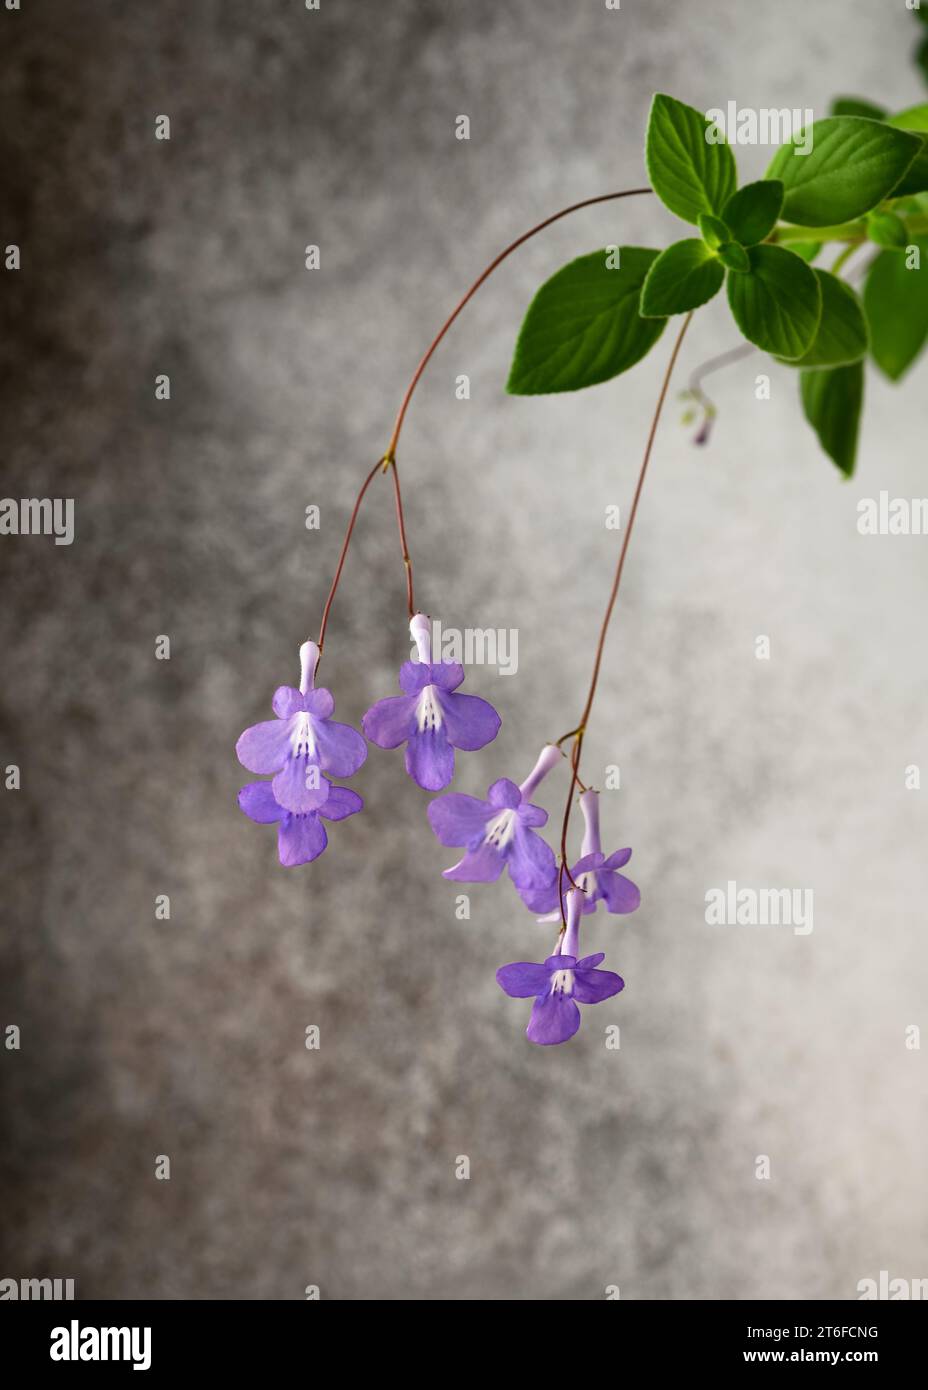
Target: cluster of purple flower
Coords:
[(303, 748)]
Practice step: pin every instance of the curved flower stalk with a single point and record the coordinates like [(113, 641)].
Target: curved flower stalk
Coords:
[(431, 718)]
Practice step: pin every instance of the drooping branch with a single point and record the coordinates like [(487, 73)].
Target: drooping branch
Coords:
[(610, 606), (388, 461)]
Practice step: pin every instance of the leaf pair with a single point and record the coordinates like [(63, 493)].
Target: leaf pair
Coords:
[(896, 292), (842, 168), (690, 272), (602, 313), (693, 172), (858, 159), (775, 297)]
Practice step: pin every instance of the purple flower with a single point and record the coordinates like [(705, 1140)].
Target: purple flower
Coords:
[(497, 832), (301, 836), (598, 876), (593, 872), (430, 718), (560, 983), (302, 743)]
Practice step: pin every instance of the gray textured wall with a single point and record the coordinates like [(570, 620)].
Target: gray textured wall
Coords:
[(139, 1037)]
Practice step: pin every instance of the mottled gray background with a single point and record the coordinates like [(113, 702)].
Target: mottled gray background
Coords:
[(589, 1167)]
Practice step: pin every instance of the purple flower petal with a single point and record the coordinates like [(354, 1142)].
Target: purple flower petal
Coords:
[(319, 703), (457, 819), (531, 862), (554, 1019), (545, 902), (265, 747), (287, 701), (391, 721), (340, 749), (617, 860), (447, 675), (300, 786), (341, 802), (504, 794), (618, 892), (532, 815), (300, 839), (430, 759), (470, 722), (542, 900), (415, 676), (592, 986), (481, 865), (257, 800), (523, 979), (588, 862), (591, 962)]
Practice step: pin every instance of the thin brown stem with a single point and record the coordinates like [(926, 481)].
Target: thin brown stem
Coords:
[(344, 551), (563, 869), (607, 616), (485, 275), (401, 523), (389, 458)]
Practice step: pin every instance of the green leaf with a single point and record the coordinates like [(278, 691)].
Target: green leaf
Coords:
[(915, 178), (751, 213), (911, 206), (852, 165), (583, 326), (886, 229), (688, 171), (684, 276), (896, 301), (808, 250), (832, 403), (713, 231), (735, 257), (778, 304), (857, 106), (842, 331), (912, 118)]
